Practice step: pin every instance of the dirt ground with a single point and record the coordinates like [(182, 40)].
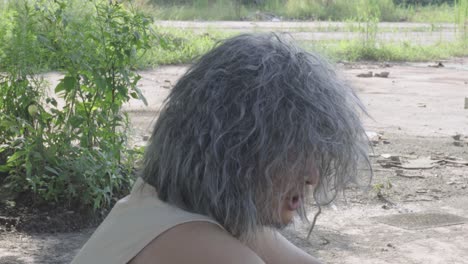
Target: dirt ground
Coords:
[(416, 209)]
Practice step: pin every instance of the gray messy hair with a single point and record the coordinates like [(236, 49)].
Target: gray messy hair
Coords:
[(240, 130)]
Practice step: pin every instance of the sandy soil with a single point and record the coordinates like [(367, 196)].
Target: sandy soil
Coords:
[(415, 112)]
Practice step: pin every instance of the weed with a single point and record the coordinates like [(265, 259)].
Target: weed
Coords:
[(75, 154), (461, 19), (352, 50), (179, 46), (337, 10)]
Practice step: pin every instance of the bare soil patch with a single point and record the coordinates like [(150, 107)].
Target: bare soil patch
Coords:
[(417, 113), (25, 218)]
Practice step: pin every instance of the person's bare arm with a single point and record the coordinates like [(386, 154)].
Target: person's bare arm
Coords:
[(196, 243), (274, 248)]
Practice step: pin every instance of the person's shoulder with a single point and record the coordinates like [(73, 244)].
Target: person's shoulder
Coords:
[(196, 242)]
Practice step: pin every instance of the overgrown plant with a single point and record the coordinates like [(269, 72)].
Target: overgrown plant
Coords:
[(461, 19), (368, 15), (81, 130), (21, 131)]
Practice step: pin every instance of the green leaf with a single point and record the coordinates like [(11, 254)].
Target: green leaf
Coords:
[(28, 168), (45, 41), (4, 168), (66, 84), (17, 155), (140, 95), (50, 169)]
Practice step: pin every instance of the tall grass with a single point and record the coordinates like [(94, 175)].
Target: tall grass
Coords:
[(430, 13), (336, 10), (461, 18), (352, 50), (179, 47), (201, 10)]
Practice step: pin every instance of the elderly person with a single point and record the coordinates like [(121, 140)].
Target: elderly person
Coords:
[(251, 131)]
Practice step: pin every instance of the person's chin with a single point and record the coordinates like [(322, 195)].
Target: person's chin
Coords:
[(279, 224), (285, 222)]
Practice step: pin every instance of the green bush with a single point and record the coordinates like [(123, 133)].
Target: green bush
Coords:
[(74, 152), (304, 9)]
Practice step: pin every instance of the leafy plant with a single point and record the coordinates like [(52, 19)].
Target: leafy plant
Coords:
[(369, 14), (71, 148), (461, 19)]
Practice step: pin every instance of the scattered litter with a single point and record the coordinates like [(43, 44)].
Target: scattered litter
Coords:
[(443, 157), (404, 210), (365, 75), (421, 163), (415, 221), (409, 164), (145, 138), (385, 200), (438, 65), (371, 74), (324, 241), (422, 105), (382, 74), (167, 84), (459, 142), (453, 162), (401, 173), (389, 161), (373, 136), (422, 198), (387, 156), (411, 176), (386, 207)]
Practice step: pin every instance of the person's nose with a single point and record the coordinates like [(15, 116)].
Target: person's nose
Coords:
[(313, 177)]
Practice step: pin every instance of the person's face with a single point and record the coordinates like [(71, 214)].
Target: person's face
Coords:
[(292, 202)]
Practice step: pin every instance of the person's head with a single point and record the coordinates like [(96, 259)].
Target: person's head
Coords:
[(248, 128)]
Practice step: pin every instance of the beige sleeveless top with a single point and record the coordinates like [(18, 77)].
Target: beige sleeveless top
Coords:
[(132, 224)]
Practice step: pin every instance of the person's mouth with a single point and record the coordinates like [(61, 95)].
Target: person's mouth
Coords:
[(294, 203)]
